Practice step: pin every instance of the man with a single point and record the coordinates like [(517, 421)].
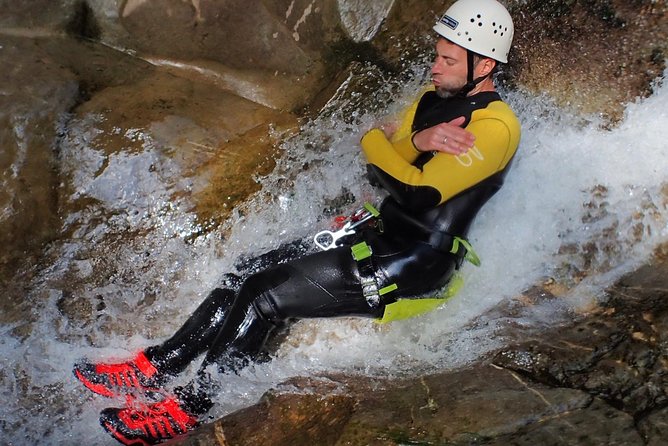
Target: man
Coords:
[(446, 159)]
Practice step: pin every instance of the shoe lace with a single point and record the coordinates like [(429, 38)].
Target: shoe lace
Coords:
[(121, 375)]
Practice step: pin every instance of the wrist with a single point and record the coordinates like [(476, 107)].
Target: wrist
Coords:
[(415, 144)]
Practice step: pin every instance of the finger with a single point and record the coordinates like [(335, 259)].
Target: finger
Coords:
[(458, 121), (466, 143), (462, 136), (457, 149), (459, 141), (454, 131), (451, 147)]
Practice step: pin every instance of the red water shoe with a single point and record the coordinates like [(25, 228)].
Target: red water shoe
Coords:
[(147, 424), (136, 375)]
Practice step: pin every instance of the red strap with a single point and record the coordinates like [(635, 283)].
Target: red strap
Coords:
[(144, 365)]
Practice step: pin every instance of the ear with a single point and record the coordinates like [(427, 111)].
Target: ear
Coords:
[(485, 67)]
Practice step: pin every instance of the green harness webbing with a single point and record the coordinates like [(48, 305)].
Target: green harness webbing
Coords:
[(469, 253)]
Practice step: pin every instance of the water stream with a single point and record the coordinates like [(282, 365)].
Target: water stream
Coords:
[(582, 205)]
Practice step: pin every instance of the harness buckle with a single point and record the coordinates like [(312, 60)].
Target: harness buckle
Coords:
[(371, 290)]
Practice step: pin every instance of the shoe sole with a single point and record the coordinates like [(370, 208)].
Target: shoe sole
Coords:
[(119, 437)]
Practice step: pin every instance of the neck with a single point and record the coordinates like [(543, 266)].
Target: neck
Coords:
[(485, 85)]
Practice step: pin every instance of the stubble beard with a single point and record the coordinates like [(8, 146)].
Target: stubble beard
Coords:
[(445, 93), (448, 91)]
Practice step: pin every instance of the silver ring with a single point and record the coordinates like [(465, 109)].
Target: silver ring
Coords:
[(445, 140)]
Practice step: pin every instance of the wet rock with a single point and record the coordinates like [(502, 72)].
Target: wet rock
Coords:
[(598, 424), (558, 46), (406, 34), (302, 411), (280, 39), (275, 36), (48, 78), (655, 427), (481, 405), (218, 139), (36, 94), (204, 91), (228, 180), (593, 56), (288, 420), (362, 19), (483, 402), (615, 353), (94, 65), (37, 14)]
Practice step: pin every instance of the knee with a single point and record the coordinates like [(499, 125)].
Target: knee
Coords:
[(218, 302), (257, 291)]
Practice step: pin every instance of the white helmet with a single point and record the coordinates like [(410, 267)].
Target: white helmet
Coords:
[(481, 26)]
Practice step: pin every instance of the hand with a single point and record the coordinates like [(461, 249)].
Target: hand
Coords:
[(447, 137), (389, 128)]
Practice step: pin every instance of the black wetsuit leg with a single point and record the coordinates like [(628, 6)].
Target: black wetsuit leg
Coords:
[(195, 336), (199, 331), (323, 284)]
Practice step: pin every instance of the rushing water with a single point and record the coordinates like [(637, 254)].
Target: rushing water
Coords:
[(581, 205)]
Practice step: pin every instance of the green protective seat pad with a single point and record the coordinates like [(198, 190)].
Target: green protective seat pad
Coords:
[(408, 308)]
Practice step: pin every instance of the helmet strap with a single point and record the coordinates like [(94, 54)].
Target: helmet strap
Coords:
[(470, 82)]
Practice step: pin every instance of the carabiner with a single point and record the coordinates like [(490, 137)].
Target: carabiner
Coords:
[(326, 240)]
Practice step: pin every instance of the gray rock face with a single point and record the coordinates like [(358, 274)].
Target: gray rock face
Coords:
[(241, 34), (617, 354)]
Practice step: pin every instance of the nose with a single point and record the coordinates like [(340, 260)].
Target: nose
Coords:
[(434, 68), (437, 67)]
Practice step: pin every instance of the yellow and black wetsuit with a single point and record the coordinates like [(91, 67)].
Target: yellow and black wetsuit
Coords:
[(432, 197), (444, 192), (420, 182)]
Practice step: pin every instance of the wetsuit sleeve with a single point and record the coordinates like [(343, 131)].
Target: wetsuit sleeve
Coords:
[(444, 176), (401, 139), (406, 125), (374, 141)]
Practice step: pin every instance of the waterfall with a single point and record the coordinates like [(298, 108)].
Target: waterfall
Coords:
[(584, 203)]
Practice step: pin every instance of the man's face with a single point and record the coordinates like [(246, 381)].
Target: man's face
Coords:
[(448, 73)]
